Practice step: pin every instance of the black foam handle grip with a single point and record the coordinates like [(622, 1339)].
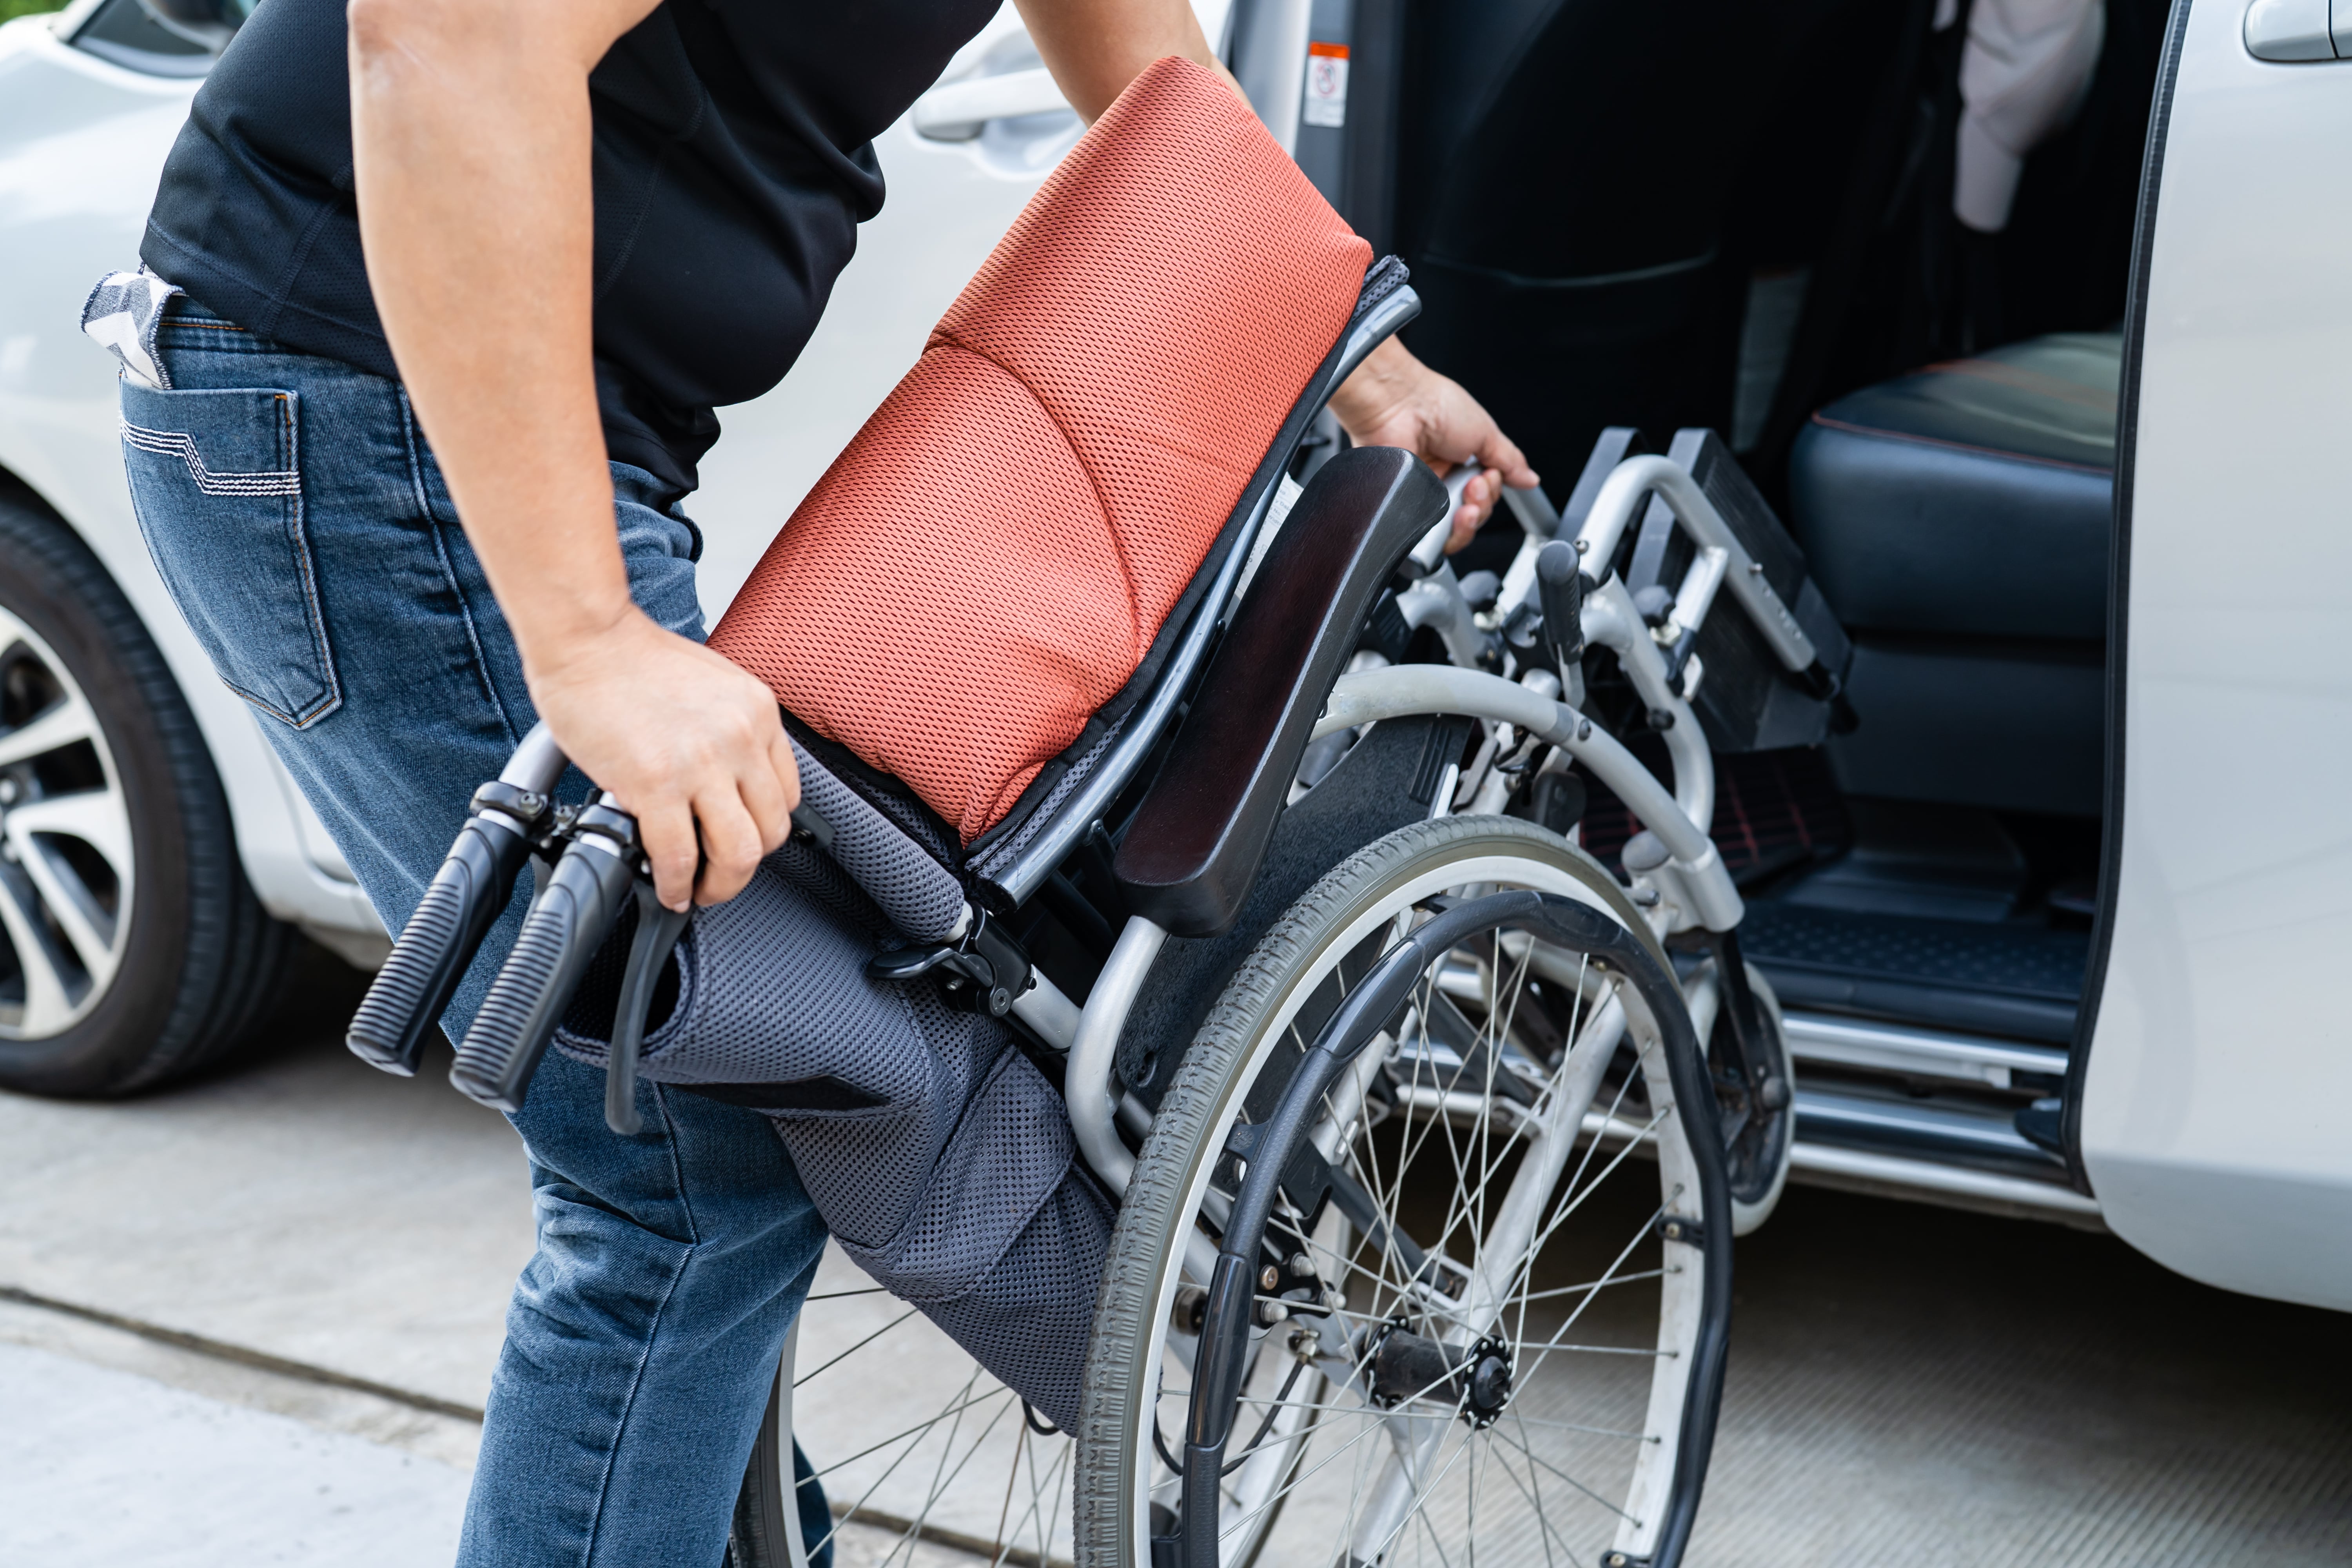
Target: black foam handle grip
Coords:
[(1561, 589), (559, 936), (437, 944)]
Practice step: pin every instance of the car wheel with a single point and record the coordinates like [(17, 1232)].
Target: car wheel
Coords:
[(131, 948)]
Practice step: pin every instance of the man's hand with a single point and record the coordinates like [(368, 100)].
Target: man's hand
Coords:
[(681, 738), (1394, 400)]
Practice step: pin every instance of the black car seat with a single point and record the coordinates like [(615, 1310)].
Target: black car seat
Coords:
[(1583, 189), (1957, 519)]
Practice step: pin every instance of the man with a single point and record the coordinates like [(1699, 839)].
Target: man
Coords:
[(464, 279)]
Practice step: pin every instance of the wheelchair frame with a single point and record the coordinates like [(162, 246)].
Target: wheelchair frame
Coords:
[(1689, 888), (1678, 880)]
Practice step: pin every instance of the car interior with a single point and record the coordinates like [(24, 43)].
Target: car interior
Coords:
[(1740, 218)]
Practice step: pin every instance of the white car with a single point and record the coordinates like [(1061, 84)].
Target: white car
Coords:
[(2049, 927)]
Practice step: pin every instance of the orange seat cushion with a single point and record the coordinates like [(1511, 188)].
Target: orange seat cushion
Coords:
[(990, 559)]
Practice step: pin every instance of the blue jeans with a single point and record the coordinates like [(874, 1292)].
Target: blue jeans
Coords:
[(302, 525)]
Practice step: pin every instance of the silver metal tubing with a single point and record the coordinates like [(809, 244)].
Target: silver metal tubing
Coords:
[(1631, 484), (1920, 1053), (1095, 1051), (1409, 688), (1822, 1164), (1611, 620), (1046, 1009), (537, 763), (1436, 601), (1925, 1129), (1696, 595), (1534, 511)]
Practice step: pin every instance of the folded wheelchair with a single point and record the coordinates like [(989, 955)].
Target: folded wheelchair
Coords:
[(1252, 1128)]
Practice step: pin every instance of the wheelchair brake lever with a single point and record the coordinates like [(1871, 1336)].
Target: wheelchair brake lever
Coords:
[(1559, 585), (658, 929)]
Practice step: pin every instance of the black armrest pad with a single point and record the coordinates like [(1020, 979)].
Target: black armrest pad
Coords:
[(1193, 847)]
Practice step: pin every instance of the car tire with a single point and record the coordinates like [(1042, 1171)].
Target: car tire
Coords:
[(122, 1001)]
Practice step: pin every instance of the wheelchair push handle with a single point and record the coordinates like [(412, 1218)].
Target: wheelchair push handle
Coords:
[(441, 938), (568, 923), (464, 899), (1429, 554)]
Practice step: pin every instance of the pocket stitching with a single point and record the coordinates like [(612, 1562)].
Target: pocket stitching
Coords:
[(176, 444), (284, 481), (308, 568)]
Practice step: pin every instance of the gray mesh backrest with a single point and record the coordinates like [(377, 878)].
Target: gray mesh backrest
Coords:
[(921, 897)]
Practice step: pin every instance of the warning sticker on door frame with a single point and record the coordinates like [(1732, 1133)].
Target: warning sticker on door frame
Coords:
[(1327, 85)]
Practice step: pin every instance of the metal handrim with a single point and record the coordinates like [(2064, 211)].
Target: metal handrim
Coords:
[(1601, 1135), (67, 863)]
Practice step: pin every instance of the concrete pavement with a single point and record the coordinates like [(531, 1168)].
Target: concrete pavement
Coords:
[(309, 1262)]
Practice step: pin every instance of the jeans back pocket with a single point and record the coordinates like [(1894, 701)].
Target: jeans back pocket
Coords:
[(217, 482)]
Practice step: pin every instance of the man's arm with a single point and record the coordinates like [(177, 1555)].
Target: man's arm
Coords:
[(1095, 48), (471, 138)]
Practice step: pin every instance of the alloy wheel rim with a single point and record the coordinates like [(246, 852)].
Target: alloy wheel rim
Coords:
[(65, 856)]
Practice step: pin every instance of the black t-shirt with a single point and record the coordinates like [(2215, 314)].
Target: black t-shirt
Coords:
[(733, 163)]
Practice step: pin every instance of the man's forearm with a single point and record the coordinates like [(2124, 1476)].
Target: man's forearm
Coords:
[(471, 145), (1095, 48)]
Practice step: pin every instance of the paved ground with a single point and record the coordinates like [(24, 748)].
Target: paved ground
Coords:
[(325, 1254)]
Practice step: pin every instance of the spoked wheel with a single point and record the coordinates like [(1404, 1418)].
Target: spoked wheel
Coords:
[(903, 1440), (1481, 1313), (1758, 1118)]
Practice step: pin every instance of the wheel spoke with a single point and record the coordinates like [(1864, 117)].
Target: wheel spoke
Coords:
[(48, 1002), (1555, 1470), (853, 1350), (1483, 1132), (55, 727), (916, 1430), (89, 930), (97, 817)]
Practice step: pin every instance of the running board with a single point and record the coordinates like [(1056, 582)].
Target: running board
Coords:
[(1951, 1186), (1916, 1053), (1924, 1129)]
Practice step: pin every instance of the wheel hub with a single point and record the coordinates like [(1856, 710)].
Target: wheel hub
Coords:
[(1485, 1383), (1408, 1366)]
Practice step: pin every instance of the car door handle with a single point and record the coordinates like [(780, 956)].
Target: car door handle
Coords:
[(956, 111), (2295, 31)]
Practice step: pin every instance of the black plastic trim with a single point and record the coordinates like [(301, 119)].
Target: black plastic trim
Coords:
[(2111, 826), (1195, 843)]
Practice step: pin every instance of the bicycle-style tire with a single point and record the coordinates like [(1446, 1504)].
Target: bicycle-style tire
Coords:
[(1665, 1175)]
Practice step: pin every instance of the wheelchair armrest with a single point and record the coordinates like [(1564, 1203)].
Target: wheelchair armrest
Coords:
[(1193, 847)]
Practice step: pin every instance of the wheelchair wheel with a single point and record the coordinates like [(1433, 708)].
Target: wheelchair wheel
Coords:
[(1500, 1338), (1756, 1162), (882, 1423)]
